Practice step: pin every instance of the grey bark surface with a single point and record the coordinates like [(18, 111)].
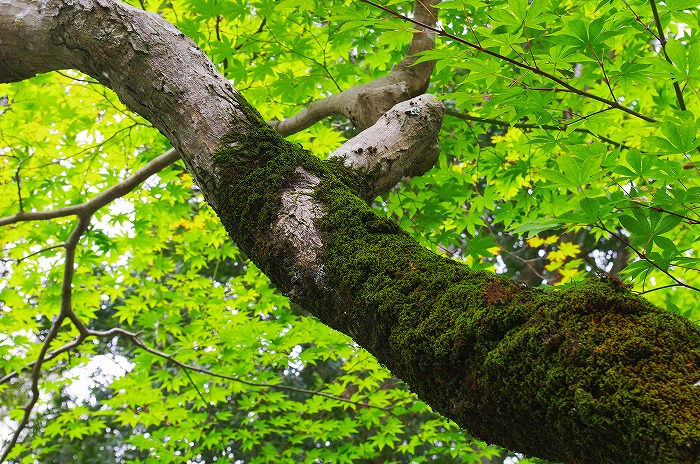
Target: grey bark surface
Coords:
[(365, 104)]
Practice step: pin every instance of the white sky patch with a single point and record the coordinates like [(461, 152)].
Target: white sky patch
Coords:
[(87, 137), (294, 361), (683, 30), (98, 372), (119, 206)]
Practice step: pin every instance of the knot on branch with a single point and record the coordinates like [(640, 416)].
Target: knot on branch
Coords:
[(402, 143)]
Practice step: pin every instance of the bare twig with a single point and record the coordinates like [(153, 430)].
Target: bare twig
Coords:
[(639, 20), (101, 199), (43, 250), (48, 357)]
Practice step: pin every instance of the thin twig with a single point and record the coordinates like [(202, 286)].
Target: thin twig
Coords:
[(43, 250), (568, 87), (36, 371), (50, 356), (138, 342), (644, 257), (562, 128), (639, 20), (106, 196), (662, 41)]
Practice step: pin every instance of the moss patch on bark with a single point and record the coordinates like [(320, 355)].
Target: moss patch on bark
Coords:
[(591, 374)]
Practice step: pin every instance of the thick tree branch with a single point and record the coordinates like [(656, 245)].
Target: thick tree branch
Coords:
[(403, 143), (365, 104), (592, 374), (154, 69)]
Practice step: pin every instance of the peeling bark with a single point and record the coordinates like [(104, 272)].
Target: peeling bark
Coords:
[(592, 374)]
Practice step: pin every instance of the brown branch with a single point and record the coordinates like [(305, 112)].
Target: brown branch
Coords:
[(188, 367), (642, 255), (66, 312), (662, 41), (521, 125), (36, 372), (106, 196)]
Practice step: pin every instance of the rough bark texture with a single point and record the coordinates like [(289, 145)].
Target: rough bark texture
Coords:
[(593, 374)]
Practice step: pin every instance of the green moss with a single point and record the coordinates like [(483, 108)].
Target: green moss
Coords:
[(589, 374), (254, 168), (599, 373)]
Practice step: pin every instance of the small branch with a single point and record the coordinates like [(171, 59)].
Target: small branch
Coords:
[(101, 199), (639, 20), (217, 26), (688, 220), (662, 40), (644, 292), (442, 33), (605, 75), (50, 356), (560, 128), (69, 271), (643, 256), (43, 250), (19, 185), (76, 79), (36, 371), (187, 367), (65, 313)]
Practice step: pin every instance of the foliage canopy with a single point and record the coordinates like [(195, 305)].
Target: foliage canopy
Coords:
[(569, 148)]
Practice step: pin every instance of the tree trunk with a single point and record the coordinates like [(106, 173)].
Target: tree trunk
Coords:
[(591, 374)]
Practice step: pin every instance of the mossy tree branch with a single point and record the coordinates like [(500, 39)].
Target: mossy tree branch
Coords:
[(592, 374)]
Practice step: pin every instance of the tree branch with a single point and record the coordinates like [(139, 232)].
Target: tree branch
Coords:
[(536, 70), (103, 198), (66, 313), (662, 41), (521, 125), (592, 373), (365, 104), (402, 143)]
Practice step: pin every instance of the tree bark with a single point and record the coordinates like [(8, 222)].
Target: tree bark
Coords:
[(365, 104), (591, 374)]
